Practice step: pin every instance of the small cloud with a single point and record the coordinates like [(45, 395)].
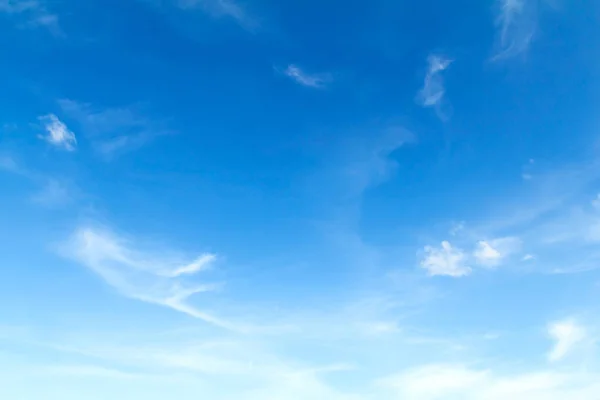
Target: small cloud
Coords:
[(492, 253), (433, 91), (566, 334), (457, 228), (317, 81), (445, 261), (57, 133), (528, 257), (516, 22), (526, 177)]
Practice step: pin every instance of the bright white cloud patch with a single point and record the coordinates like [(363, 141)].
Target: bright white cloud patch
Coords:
[(445, 260), (492, 253), (143, 275), (57, 133), (566, 334), (311, 80)]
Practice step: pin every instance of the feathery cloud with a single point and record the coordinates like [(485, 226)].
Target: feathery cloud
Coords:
[(516, 22), (112, 130), (317, 81), (566, 334), (445, 261), (433, 90), (58, 134), (147, 276)]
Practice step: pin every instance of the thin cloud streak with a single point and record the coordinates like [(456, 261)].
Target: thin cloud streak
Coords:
[(317, 81)]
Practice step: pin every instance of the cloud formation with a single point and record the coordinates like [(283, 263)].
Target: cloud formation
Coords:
[(566, 335), (112, 130), (433, 91), (445, 261), (148, 276), (317, 81), (516, 23), (58, 134)]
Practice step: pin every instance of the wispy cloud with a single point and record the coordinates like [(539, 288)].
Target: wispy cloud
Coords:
[(113, 130), (8, 164), (516, 22), (148, 276), (317, 81), (57, 133), (31, 13), (566, 335), (433, 91), (221, 8), (457, 381), (445, 261)]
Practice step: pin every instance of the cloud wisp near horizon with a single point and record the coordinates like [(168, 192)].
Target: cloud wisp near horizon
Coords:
[(185, 216)]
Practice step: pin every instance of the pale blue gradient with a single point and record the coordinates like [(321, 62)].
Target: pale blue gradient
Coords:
[(276, 200)]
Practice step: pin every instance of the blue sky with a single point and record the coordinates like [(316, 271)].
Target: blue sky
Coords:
[(277, 200)]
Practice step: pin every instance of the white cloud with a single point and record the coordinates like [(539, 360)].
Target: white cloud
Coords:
[(433, 91), (317, 81), (147, 276), (566, 334), (492, 253), (445, 260), (57, 133), (516, 22)]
